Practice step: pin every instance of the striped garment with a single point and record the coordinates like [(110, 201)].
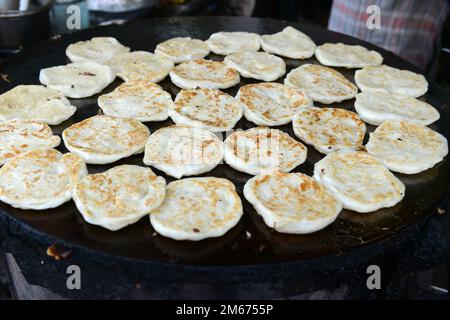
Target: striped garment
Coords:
[(409, 28)]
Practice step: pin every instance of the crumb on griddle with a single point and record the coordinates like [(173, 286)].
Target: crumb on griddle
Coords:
[(5, 77), (57, 252)]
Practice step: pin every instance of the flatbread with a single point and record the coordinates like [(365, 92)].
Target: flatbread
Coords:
[(407, 147), (347, 56), (289, 43), (183, 151), (97, 49), (104, 139), (35, 102), (271, 104), (259, 149), (322, 84), (209, 109), (387, 79), (119, 196), (18, 137), (197, 208), (40, 179), (225, 43), (204, 74), (360, 181), (329, 129), (292, 202), (140, 65), (78, 79), (377, 107), (139, 99), (257, 65), (182, 49)]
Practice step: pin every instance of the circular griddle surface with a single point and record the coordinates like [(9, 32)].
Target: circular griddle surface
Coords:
[(250, 242)]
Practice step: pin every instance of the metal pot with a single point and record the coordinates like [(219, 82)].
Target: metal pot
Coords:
[(23, 27)]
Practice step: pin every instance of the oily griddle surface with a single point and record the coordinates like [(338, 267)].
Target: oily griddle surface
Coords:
[(250, 242)]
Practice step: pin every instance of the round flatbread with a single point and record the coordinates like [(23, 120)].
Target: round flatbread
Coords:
[(271, 104), (322, 84), (256, 150), (98, 49), (347, 56), (289, 43), (119, 196), (138, 99), (387, 79), (257, 65), (209, 109), (329, 129), (377, 107), (292, 202), (182, 49), (407, 147), (225, 43), (183, 151), (141, 65), (360, 181), (40, 179), (35, 102), (17, 137), (197, 208), (204, 74), (104, 139), (78, 79)]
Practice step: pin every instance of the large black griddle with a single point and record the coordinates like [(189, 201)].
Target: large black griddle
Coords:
[(250, 244)]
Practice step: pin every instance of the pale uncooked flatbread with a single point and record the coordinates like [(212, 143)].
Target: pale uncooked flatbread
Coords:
[(34, 102), (257, 150), (204, 74), (387, 79), (348, 56), (140, 65), (78, 79), (20, 136), (289, 43), (407, 147), (321, 83), (225, 43), (329, 129), (257, 65), (360, 181), (138, 99), (104, 139), (271, 104), (183, 151), (292, 202), (40, 179), (206, 108), (119, 196), (197, 208), (97, 49), (377, 107), (182, 49)]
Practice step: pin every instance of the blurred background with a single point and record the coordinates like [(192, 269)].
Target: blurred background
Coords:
[(416, 30)]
